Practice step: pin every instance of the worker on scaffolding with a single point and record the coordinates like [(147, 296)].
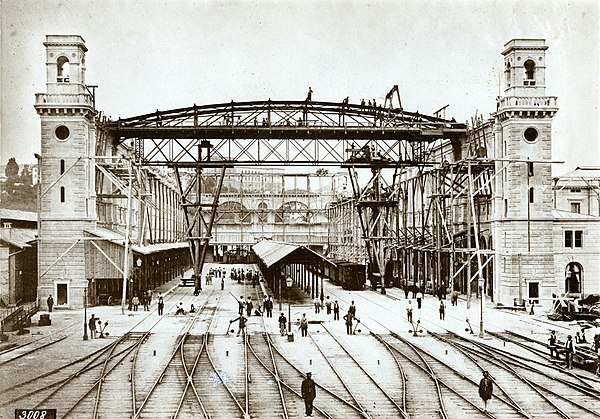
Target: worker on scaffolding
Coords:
[(309, 94)]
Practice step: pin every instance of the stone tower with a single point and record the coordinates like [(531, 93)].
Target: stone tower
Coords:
[(522, 224), (67, 205)]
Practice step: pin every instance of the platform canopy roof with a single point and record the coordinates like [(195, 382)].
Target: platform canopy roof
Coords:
[(272, 253), (119, 239)]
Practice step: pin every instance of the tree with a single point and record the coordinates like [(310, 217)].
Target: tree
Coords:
[(26, 177), (17, 191), (12, 168)]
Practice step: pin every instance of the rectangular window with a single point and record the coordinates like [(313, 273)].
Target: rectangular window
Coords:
[(579, 239), (530, 168), (533, 289), (574, 239), (568, 238), (576, 207), (62, 166), (62, 194)]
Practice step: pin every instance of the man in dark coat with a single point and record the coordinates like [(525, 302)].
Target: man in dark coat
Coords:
[(569, 351), (308, 393), (50, 302), (486, 387)]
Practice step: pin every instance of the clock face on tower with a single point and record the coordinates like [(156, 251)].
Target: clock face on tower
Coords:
[(62, 133)]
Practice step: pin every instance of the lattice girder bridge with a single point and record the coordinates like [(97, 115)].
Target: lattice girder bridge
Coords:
[(282, 133)]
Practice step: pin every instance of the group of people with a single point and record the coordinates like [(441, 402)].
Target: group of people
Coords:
[(145, 300), (567, 348), (240, 275)]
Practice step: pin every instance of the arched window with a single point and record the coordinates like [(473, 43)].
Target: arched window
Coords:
[(293, 213), (573, 273), (531, 195), (231, 211), (62, 75), (529, 72), (62, 166), (507, 74), (263, 212)]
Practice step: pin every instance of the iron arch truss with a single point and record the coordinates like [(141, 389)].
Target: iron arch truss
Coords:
[(283, 132)]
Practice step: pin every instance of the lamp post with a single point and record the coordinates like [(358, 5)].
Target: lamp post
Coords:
[(85, 334), (138, 263), (288, 282)]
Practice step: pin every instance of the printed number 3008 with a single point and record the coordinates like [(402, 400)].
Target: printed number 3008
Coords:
[(34, 414)]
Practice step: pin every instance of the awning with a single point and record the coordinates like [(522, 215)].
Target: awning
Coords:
[(119, 239), (19, 237), (272, 253)]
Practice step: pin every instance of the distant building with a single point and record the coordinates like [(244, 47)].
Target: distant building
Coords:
[(578, 191), (577, 231), (18, 248)]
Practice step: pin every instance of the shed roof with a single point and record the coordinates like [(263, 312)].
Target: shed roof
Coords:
[(272, 252), (17, 215), (19, 237), (572, 216), (119, 238)]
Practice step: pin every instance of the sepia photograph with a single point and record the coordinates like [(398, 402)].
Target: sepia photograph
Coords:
[(235, 209)]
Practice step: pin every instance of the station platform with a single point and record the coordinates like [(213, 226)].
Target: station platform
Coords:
[(372, 317)]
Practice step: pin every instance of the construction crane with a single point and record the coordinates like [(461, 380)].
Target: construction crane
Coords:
[(390, 96)]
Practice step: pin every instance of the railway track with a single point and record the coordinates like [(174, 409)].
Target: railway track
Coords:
[(68, 385), (331, 402), (370, 395), (539, 393), (449, 393), (523, 393), (91, 385), (536, 354)]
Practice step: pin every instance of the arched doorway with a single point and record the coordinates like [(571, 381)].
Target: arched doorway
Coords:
[(573, 277)]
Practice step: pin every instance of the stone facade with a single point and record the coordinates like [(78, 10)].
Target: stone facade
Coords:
[(67, 171)]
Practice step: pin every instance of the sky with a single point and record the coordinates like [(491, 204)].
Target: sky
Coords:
[(148, 55)]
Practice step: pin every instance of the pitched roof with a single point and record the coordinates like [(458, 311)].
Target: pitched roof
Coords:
[(10, 214), (272, 252), (19, 237)]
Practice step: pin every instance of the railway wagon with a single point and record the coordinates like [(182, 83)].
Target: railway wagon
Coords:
[(350, 275)]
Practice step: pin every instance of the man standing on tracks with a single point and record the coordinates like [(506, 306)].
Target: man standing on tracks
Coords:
[(92, 326), (282, 323), (249, 307), (348, 319), (304, 325), (336, 310), (328, 305), (409, 311), (486, 388), (308, 393), (161, 305), (352, 309), (242, 325), (241, 304), (442, 310), (552, 344), (419, 298), (269, 306), (569, 350)]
